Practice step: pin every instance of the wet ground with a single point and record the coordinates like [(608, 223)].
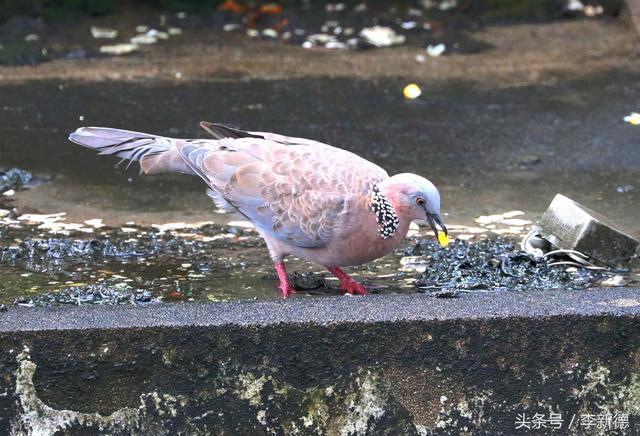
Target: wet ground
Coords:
[(140, 265), (487, 150), (500, 130)]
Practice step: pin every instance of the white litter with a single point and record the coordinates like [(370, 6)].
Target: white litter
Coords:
[(381, 36), (231, 26), (408, 25), (271, 33), (143, 39), (575, 5), (436, 50), (103, 32), (118, 49), (157, 34), (447, 5)]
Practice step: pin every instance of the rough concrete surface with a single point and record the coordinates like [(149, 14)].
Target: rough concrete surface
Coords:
[(405, 364)]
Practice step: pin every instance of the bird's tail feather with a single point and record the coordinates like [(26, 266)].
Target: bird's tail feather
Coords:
[(156, 154)]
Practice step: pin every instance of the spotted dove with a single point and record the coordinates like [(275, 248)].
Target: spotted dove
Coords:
[(305, 198)]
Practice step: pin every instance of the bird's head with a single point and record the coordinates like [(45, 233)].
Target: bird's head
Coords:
[(414, 198)]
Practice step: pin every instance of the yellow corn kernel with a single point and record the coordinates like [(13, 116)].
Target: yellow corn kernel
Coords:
[(412, 91), (443, 239)]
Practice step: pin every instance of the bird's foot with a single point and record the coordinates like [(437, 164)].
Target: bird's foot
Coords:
[(286, 290), (347, 283), (354, 288), (285, 286)]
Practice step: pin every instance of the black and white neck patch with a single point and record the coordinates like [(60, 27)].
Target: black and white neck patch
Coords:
[(386, 217)]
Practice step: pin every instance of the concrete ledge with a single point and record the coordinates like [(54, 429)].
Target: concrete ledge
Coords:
[(402, 364)]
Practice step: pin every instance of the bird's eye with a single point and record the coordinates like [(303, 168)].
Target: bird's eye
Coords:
[(420, 201)]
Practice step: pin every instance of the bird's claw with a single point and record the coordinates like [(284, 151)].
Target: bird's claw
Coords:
[(349, 285), (354, 288), (287, 290)]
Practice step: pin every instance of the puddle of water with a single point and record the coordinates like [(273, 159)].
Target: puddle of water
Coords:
[(139, 265)]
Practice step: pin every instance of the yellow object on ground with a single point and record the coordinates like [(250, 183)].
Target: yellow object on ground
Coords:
[(633, 118), (412, 91)]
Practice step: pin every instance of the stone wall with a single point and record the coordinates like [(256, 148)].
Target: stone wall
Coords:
[(405, 364)]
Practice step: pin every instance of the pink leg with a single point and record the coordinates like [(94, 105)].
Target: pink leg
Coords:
[(346, 282), (285, 286)]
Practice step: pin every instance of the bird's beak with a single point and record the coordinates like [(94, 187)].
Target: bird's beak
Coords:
[(433, 219)]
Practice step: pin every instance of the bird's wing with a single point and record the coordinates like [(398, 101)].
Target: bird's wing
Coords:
[(293, 190)]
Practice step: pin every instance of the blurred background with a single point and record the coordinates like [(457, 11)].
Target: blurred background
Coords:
[(501, 103)]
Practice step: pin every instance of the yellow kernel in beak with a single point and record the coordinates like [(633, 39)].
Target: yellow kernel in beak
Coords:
[(443, 239), (412, 91)]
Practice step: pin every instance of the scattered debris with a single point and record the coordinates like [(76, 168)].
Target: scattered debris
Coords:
[(412, 91), (445, 293), (231, 26), (593, 11), (436, 50), (118, 49), (447, 5), (529, 160), (633, 118), (13, 179), (103, 32), (381, 36), (143, 39), (493, 265), (182, 257), (624, 188), (335, 7), (503, 218), (96, 223), (414, 263), (99, 294), (158, 34), (271, 33), (408, 25), (616, 281), (54, 223), (574, 6)]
